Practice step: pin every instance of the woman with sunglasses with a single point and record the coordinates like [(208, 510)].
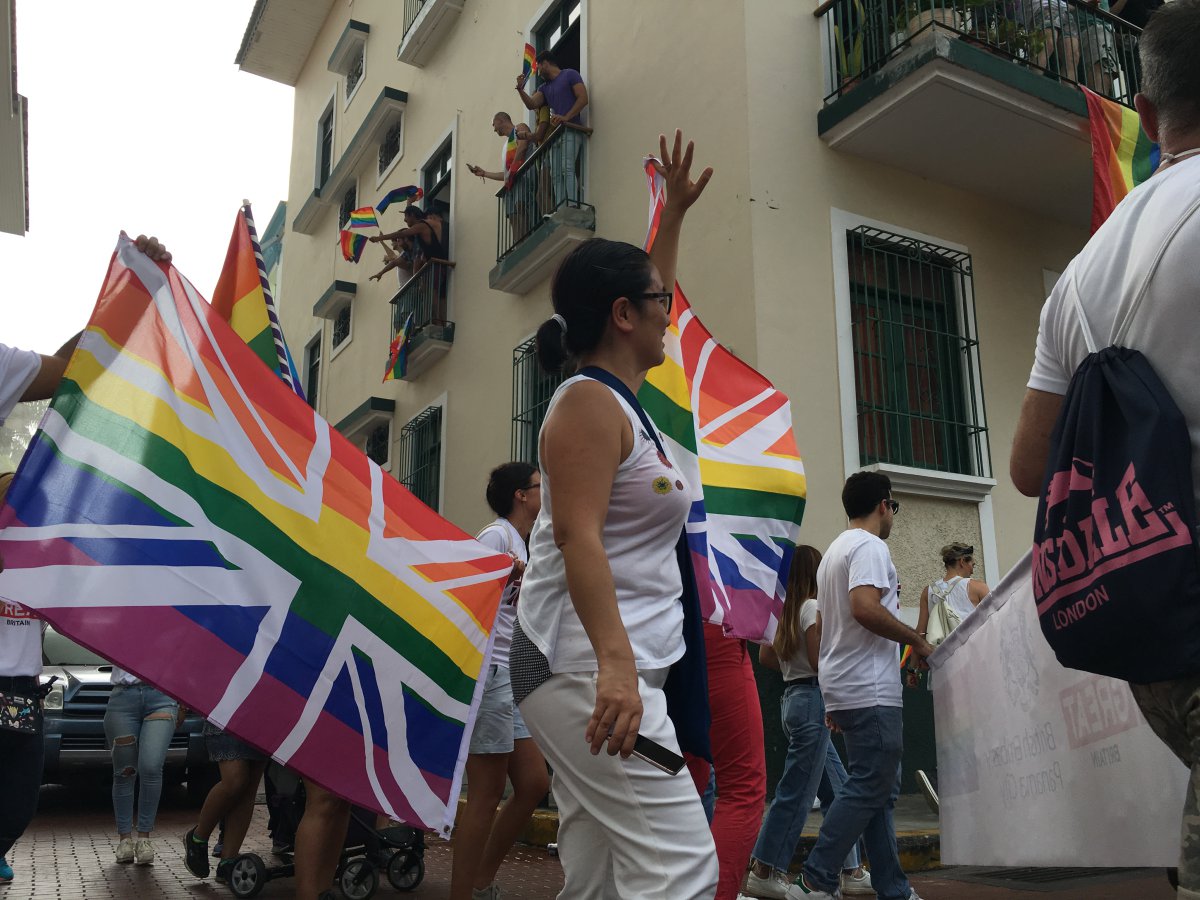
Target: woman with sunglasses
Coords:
[(600, 620), (956, 588)]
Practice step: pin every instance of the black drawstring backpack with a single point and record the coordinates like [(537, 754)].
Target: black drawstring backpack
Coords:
[(1115, 571)]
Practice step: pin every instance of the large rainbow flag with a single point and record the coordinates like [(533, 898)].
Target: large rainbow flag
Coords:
[(202, 527), (731, 432), (1122, 155), (243, 299)]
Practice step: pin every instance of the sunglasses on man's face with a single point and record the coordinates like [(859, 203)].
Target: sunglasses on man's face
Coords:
[(893, 505)]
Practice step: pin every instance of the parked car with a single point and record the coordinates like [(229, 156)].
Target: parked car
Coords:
[(74, 721)]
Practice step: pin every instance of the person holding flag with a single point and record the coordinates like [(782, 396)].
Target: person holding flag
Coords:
[(517, 145)]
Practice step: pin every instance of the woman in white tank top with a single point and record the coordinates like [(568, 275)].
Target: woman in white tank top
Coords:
[(600, 621)]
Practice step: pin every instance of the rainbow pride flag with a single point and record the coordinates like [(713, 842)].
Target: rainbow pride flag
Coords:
[(200, 526), (529, 61), (364, 217), (352, 245), (397, 364), (407, 194), (1122, 155), (731, 432), (242, 298)]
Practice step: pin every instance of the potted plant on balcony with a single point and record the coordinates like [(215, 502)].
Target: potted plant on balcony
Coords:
[(850, 44), (921, 15)]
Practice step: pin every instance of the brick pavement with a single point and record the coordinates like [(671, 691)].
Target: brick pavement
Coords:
[(68, 855)]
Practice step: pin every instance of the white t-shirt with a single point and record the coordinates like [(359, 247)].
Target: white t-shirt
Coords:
[(120, 676), (1161, 217), (18, 368), (859, 668), (20, 641), (956, 593), (798, 666), (647, 509), (503, 537)]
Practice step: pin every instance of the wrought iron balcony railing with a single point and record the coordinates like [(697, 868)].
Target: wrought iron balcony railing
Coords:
[(424, 297), (552, 177), (1069, 40)]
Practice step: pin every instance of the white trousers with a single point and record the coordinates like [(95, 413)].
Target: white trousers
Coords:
[(626, 829)]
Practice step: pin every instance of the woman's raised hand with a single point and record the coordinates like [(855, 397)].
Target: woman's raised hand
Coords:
[(675, 166)]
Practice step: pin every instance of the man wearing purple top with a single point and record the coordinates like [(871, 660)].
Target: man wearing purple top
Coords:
[(565, 93)]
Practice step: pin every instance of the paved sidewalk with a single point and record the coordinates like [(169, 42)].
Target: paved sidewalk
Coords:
[(68, 855)]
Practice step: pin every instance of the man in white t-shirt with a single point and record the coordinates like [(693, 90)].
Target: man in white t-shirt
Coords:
[(1138, 278), (861, 634)]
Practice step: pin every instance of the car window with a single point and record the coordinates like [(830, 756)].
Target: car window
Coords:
[(60, 650)]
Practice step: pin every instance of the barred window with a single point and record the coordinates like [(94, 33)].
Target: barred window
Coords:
[(355, 72), (389, 148), (325, 146), (532, 390), (378, 443), (421, 453), (916, 354), (341, 326), (312, 377), (349, 204)]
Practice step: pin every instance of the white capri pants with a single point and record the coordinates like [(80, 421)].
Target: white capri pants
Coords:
[(626, 829)]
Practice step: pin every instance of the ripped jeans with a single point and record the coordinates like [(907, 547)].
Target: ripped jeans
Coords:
[(138, 725)]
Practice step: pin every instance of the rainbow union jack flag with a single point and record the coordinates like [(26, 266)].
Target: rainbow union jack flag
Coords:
[(731, 432), (199, 525)]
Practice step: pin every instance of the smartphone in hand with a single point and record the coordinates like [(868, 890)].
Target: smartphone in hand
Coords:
[(657, 755)]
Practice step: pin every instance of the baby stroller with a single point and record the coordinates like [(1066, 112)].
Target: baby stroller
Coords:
[(399, 851)]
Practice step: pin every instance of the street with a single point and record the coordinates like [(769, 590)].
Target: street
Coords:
[(67, 854)]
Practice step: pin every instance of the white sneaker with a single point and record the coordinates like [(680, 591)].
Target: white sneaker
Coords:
[(125, 850), (913, 895), (144, 852), (857, 884), (800, 891), (774, 886)]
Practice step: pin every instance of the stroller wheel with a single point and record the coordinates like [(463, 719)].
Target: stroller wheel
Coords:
[(247, 876), (359, 880), (405, 870)]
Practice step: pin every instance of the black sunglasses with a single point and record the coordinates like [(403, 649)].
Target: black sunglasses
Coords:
[(666, 298), (893, 505)]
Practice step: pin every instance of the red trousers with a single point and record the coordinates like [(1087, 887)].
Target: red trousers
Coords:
[(738, 757)]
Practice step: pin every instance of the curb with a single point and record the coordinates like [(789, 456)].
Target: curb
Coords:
[(920, 851)]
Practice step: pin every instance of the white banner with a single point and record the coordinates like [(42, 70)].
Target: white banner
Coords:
[(1039, 765)]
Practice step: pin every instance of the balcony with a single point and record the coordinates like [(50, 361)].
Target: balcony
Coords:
[(424, 298), (426, 23), (541, 215), (970, 93)]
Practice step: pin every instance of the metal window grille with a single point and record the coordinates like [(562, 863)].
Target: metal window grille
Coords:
[(389, 148), (532, 390), (349, 204), (412, 9), (423, 296), (377, 443), (355, 72), (341, 326), (916, 355), (421, 451), (325, 159), (312, 379)]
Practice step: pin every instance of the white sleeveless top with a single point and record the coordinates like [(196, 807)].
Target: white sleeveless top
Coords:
[(646, 513), (953, 593)]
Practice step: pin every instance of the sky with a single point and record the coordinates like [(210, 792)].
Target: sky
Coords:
[(138, 120)]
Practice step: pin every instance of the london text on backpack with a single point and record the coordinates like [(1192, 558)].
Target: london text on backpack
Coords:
[(1115, 573)]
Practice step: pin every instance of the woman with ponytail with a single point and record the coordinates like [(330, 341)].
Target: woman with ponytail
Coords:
[(811, 755), (600, 619)]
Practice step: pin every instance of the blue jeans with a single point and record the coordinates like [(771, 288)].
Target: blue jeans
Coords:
[(811, 758), (138, 725), (874, 744)]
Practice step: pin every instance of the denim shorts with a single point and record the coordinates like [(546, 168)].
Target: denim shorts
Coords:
[(498, 723)]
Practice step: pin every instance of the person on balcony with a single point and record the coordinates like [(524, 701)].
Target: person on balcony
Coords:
[(517, 146), (564, 92), (422, 239), (1057, 23)]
